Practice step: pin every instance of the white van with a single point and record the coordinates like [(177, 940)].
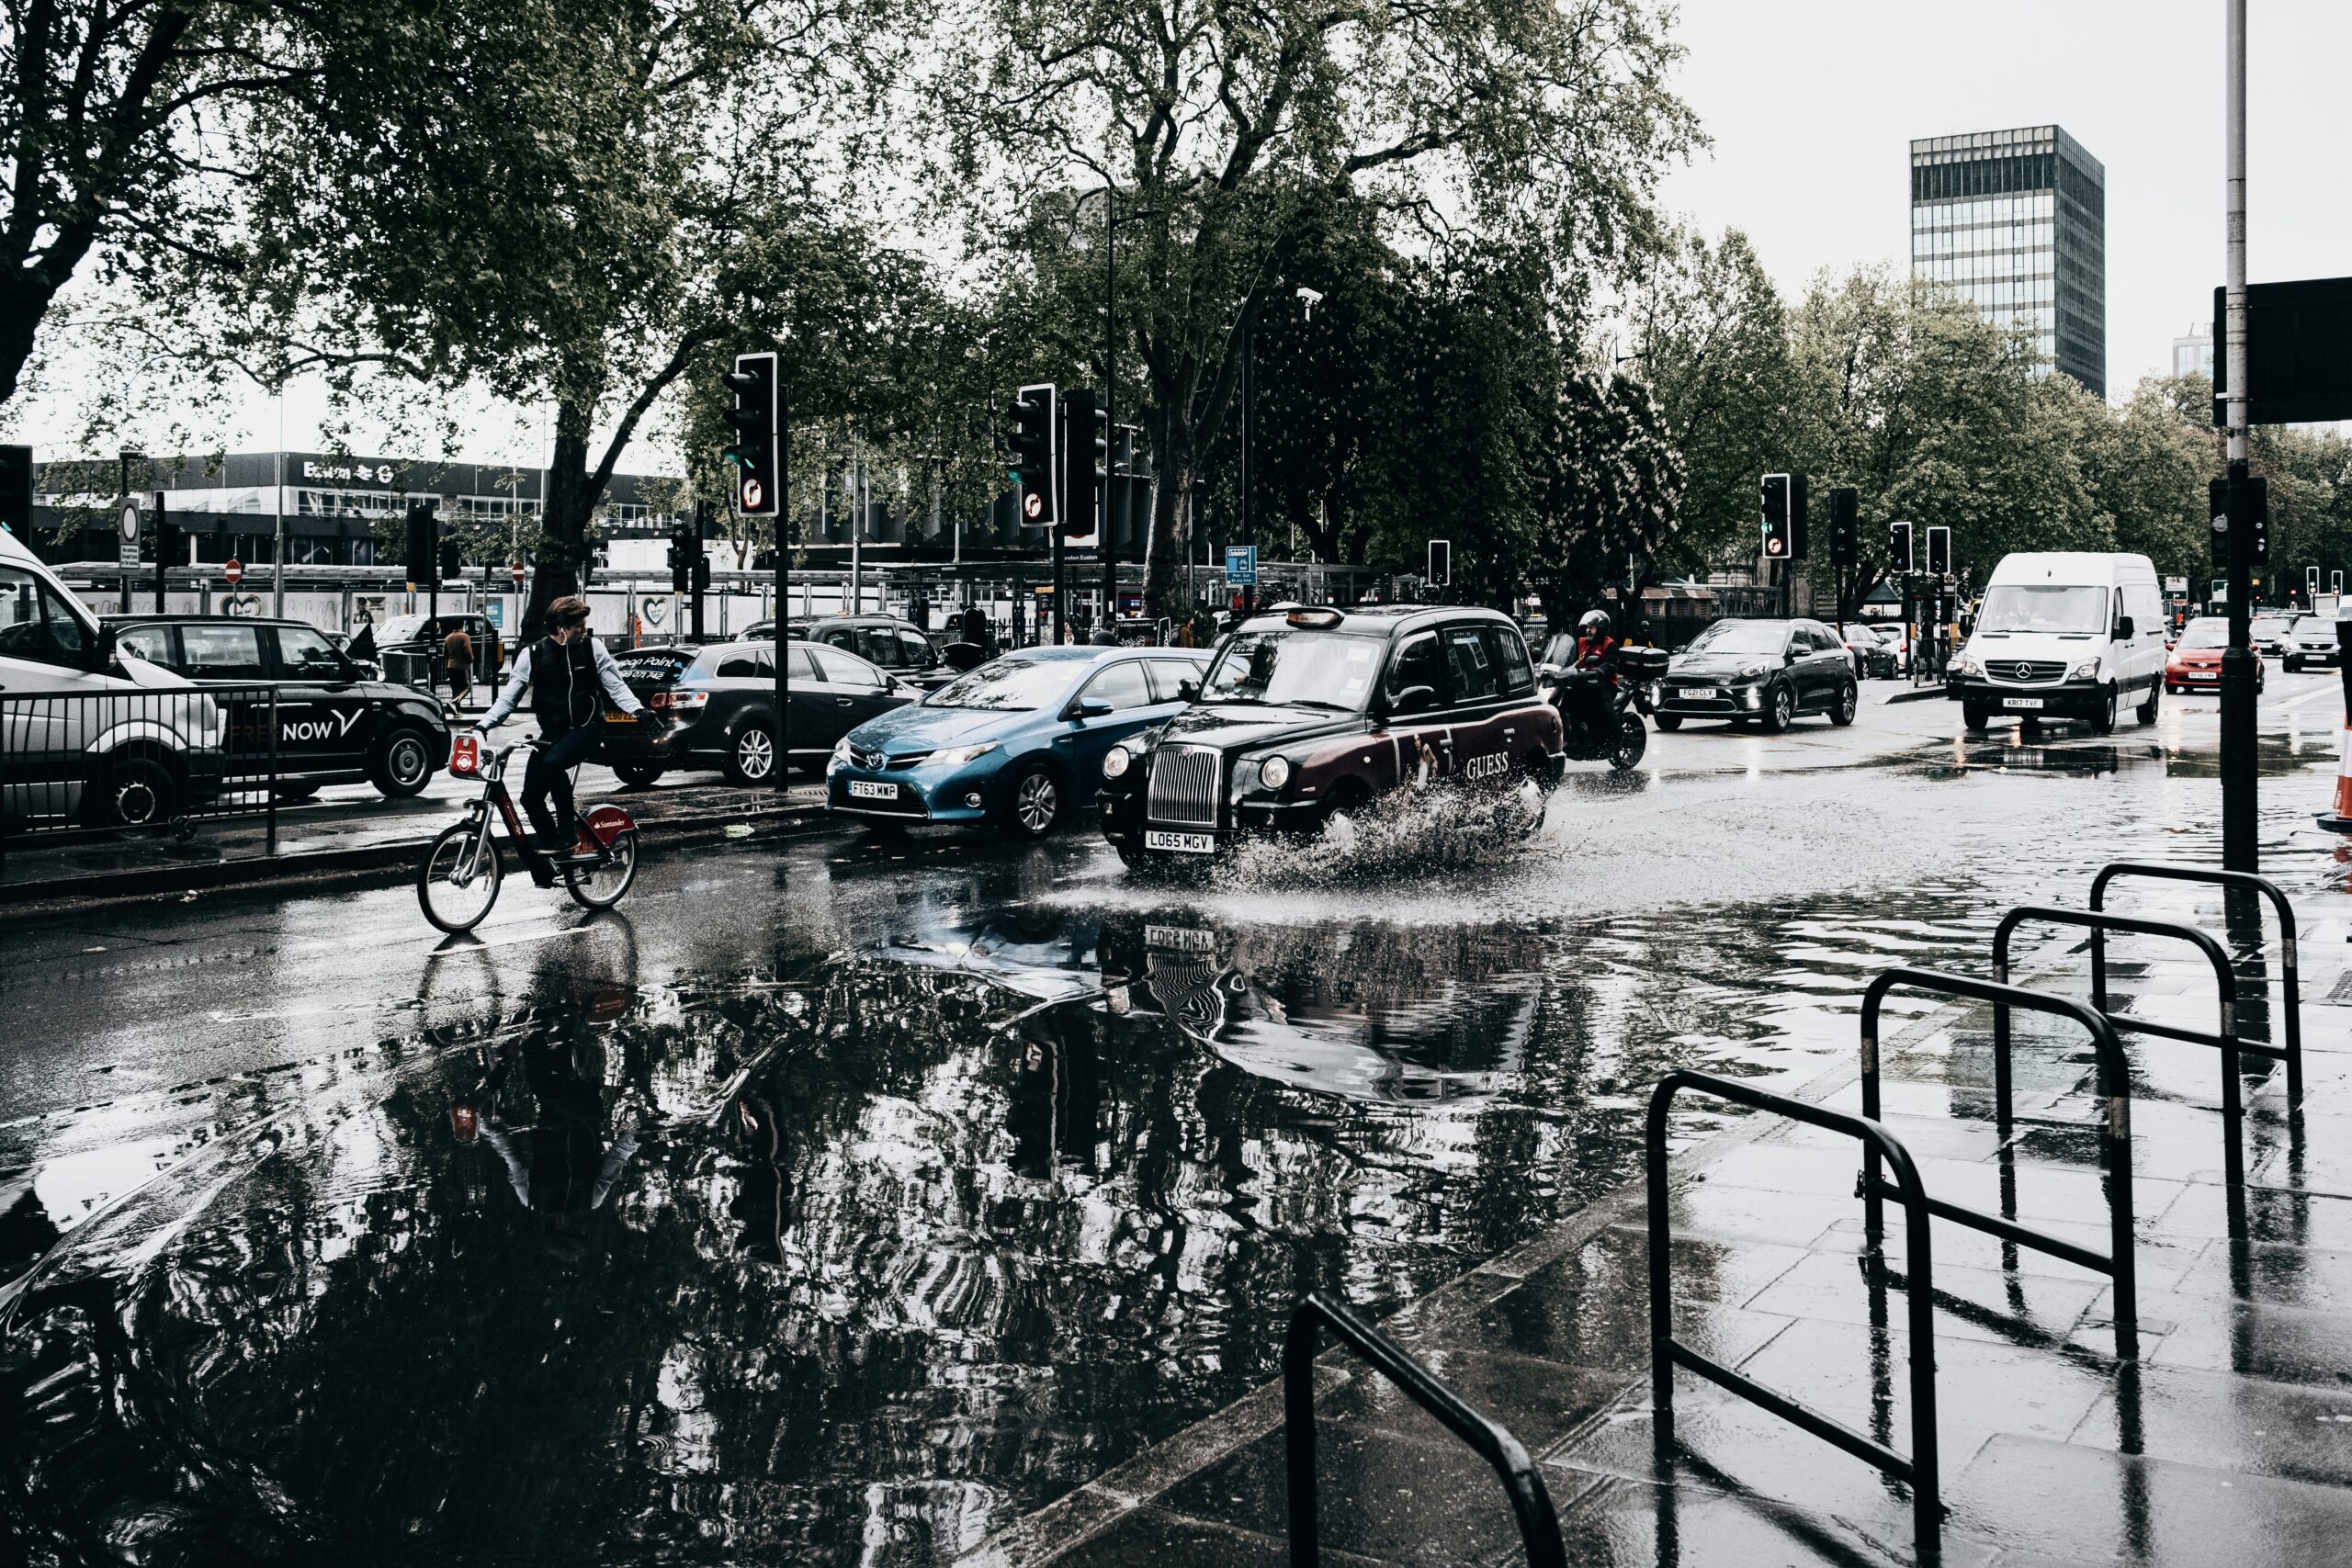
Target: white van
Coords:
[(85, 730), (2064, 633)]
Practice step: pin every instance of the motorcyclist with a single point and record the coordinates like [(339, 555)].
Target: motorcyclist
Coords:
[(1596, 648), (563, 672)]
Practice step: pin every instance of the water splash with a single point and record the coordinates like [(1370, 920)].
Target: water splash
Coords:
[(1408, 832)]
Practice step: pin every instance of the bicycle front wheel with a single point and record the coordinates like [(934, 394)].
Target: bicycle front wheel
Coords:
[(458, 880), (600, 887)]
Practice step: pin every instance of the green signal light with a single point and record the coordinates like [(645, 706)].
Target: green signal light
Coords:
[(734, 455)]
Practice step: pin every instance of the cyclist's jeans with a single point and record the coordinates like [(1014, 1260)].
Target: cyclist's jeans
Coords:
[(549, 773)]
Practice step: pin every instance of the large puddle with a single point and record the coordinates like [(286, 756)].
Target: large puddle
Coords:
[(856, 1255)]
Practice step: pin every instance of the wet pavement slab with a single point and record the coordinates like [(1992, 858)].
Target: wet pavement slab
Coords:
[(850, 1200)]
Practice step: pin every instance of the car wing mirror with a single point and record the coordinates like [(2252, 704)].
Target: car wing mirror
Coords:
[(1188, 691), (103, 651), (2124, 629), (1089, 707)]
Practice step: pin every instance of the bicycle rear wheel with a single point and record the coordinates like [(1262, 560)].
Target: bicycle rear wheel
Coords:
[(458, 880), (600, 887)]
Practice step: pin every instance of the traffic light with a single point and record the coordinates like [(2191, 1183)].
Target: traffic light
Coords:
[(1797, 517), (2240, 506), (1441, 572), (2311, 585), (1939, 551), (1086, 453), (453, 560), (1032, 426), (16, 491), (757, 419), (1777, 543), (1898, 548), (682, 558), (702, 572), (1845, 526), (171, 541), (416, 556)]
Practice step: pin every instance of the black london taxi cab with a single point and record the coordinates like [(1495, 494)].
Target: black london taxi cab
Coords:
[(1307, 711)]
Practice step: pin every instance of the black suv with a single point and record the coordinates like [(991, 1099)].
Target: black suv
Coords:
[(1764, 671), (884, 641), (723, 701), (333, 725)]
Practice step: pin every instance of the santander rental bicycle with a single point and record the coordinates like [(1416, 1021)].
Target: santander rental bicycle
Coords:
[(460, 878)]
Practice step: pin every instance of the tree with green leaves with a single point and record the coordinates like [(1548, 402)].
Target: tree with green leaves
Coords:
[(1223, 131)]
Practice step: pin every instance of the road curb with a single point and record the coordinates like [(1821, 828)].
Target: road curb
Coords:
[(1919, 694), (261, 870)]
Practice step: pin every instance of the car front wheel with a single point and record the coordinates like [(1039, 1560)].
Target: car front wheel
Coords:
[(1033, 805), (1782, 711), (2149, 709)]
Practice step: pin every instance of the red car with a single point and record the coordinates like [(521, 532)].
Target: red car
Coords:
[(2195, 663)]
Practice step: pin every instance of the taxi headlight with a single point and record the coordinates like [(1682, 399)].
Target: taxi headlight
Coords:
[(2086, 670), (1115, 762), (956, 756), (1274, 772)]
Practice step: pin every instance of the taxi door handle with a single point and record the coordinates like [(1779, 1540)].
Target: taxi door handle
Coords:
[(841, 701)]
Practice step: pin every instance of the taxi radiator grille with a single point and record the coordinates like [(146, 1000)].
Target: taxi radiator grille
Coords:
[(1184, 788)]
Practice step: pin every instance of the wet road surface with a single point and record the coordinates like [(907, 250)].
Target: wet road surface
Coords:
[(840, 1201)]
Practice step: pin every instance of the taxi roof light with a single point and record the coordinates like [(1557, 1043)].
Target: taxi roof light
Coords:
[(1302, 616)]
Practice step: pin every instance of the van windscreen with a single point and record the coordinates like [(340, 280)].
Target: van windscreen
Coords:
[(2042, 607)]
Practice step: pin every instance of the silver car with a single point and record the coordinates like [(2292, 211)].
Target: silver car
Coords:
[(2311, 640)]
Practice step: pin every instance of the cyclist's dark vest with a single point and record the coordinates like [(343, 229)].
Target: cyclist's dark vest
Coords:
[(565, 692)]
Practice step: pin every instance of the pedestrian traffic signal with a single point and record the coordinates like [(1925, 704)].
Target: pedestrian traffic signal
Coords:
[(1086, 453), (757, 419), (1898, 548), (1031, 425), (1939, 551), (1778, 544), (416, 557), (1845, 526)]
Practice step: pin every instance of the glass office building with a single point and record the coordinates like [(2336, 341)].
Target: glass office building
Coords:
[(2017, 222)]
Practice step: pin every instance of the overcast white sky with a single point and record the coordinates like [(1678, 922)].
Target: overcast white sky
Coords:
[(1812, 104)]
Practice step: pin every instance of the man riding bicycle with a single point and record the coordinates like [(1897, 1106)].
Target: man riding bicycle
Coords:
[(563, 671)]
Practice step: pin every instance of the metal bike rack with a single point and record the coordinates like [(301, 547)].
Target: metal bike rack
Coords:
[(1920, 1469), (1530, 1503), (2226, 1040), (2289, 985), (2115, 1136)]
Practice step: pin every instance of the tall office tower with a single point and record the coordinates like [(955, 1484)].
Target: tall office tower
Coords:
[(2017, 222)]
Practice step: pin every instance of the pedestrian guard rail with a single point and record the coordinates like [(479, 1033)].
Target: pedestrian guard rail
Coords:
[(1881, 1148), (2225, 1039), (1920, 1469), (2115, 1132), (99, 763), (1531, 1502), (2291, 987)]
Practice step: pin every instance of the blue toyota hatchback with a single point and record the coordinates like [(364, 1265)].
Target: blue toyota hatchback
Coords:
[(1018, 741)]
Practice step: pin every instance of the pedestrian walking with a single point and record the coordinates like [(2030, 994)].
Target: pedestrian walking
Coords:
[(458, 664)]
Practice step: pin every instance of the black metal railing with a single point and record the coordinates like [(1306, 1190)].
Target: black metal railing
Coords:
[(1920, 1468), (1531, 1502), (136, 759), (2224, 1040), (2240, 880), (2115, 1135)]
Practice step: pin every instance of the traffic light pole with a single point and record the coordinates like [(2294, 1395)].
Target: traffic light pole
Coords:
[(783, 768), (163, 556), (2240, 808)]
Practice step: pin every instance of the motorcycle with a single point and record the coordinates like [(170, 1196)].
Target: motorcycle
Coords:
[(1603, 711)]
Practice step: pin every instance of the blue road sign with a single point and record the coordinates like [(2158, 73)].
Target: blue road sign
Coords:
[(1240, 564)]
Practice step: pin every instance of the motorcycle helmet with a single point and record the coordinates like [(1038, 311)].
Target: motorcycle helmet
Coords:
[(1594, 625)]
